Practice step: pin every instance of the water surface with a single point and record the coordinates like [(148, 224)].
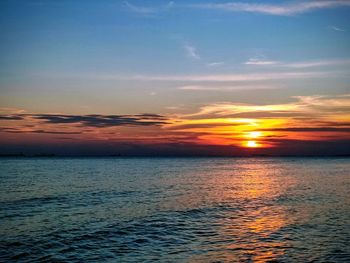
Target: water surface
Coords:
[(175, 209)]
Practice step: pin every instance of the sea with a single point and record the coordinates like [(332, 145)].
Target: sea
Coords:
[(174, 209)]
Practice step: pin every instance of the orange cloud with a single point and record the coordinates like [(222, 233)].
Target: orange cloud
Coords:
[(307, 118), (311, 118)]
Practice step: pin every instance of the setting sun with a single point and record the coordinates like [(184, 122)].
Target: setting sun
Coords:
[(252, 144)]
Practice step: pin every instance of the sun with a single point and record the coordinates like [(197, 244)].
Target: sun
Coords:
[(252, 136), (252, 144)]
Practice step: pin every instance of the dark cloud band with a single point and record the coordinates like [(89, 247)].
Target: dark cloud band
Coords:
[(94, 120)]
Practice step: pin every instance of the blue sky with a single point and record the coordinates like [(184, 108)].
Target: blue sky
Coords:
[(42, 39), (120, 36)]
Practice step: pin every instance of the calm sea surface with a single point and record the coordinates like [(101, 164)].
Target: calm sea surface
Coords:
[(175, 209)]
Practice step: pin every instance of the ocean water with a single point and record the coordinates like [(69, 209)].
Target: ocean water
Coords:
[(175, 210)]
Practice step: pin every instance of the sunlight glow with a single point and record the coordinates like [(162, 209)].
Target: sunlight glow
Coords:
[(252, 144), (254, 134)]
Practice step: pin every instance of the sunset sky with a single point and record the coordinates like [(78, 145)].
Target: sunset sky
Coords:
[(200, 77)]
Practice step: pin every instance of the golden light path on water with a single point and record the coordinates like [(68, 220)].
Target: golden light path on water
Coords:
[(245, 230)]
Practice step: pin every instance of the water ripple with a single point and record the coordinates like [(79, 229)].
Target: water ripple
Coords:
[(183, 211)]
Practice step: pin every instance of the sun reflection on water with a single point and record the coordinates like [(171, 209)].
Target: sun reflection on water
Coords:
[(251, 226)]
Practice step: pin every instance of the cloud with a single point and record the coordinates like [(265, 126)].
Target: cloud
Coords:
[(226, 88), (335, 124), (11, 117), (16, 130), (93, 120), (140, 9), (191, 51), (258, 62), (101, 121), (143, 10), (149, 116), (319, 63), (313, 118), (297, 65), (304, 118), (292, 8), (203, 125), (229, 109), (215, 64), (293, 73), (222, 77), (56, 132), (11, 110), (303, 106), (310, 129), (336, 28)]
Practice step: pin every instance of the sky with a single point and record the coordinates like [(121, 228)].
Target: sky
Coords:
[(200, 77)]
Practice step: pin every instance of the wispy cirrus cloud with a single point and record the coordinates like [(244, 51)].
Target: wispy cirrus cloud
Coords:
[(301, 64), (191, 51), (285, 9), (147, 10), (224, 77), (310, 129), (260, 62), (5, 110), (304, 105), (318, 63), (215, 64), (140, 9), (226, 87), (335, 28)]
